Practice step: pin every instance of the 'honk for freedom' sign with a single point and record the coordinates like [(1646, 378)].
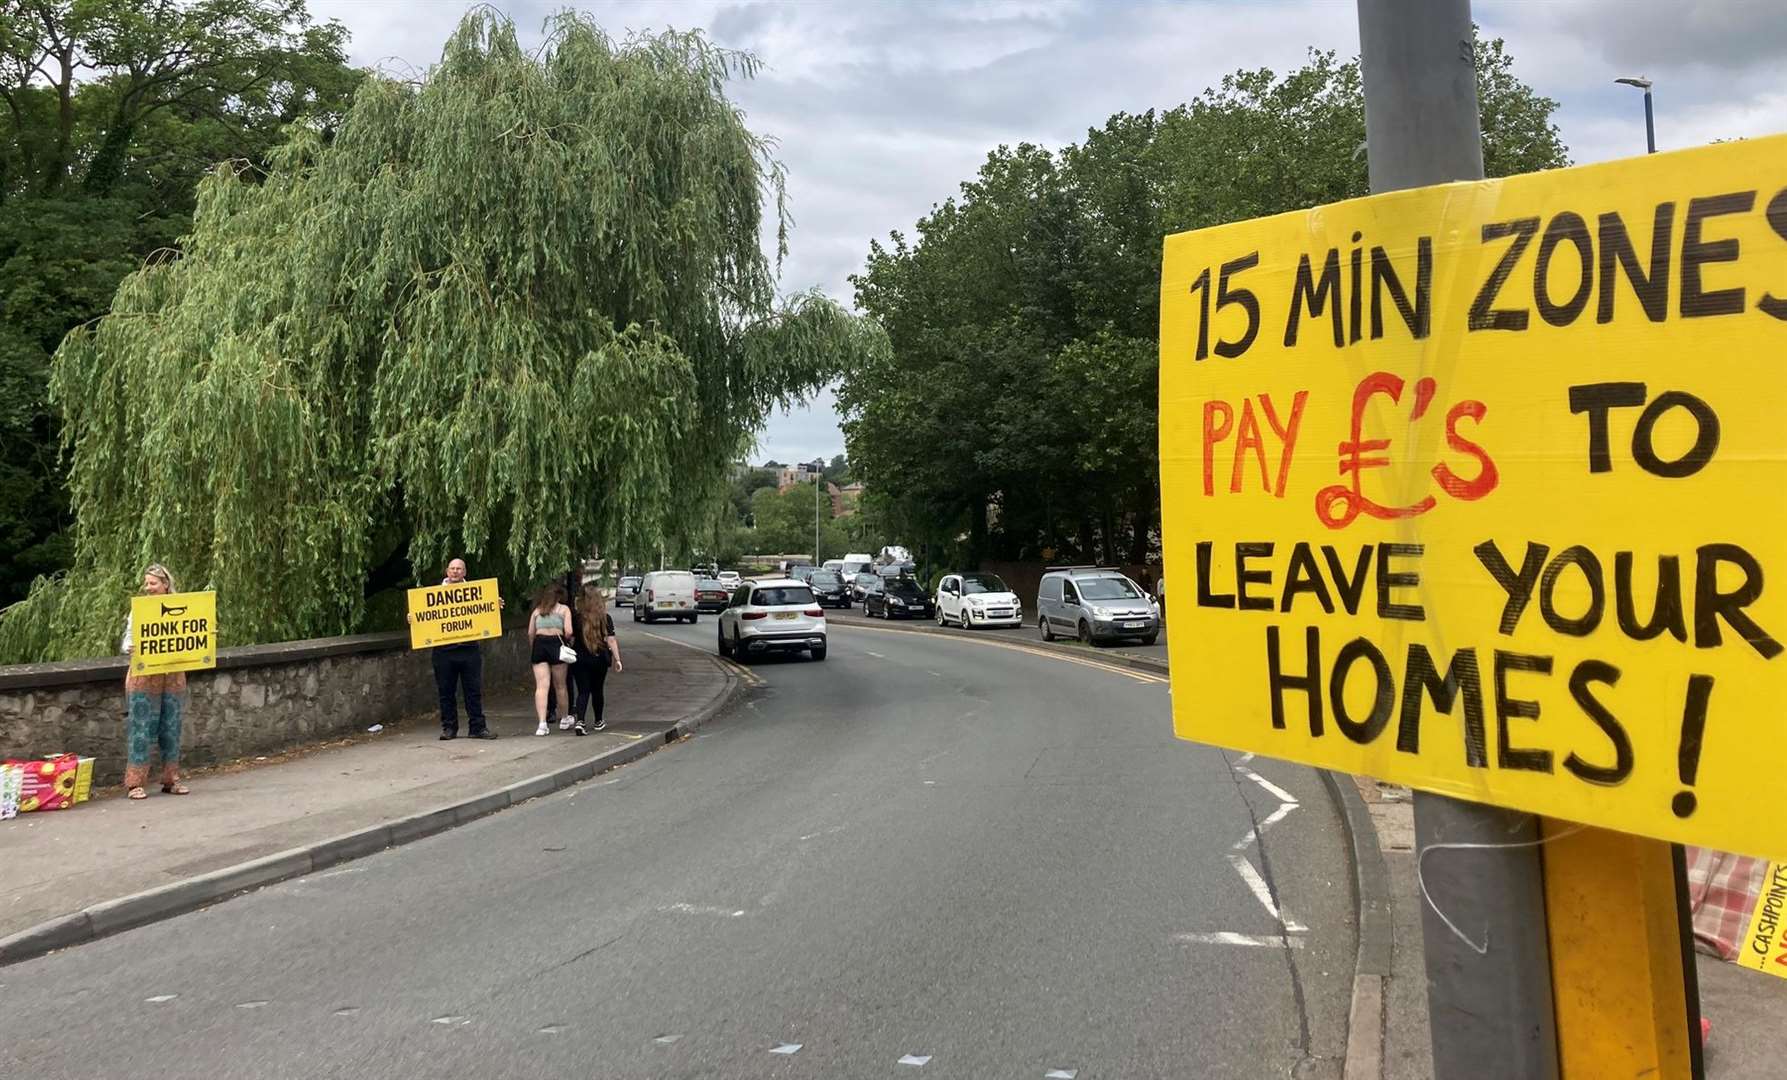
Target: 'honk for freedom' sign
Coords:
[(1482, 488), (173, 632), (451, 613)]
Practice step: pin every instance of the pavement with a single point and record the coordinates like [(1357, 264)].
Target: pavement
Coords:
[(62, 863), (1746, 1007), (974, 858)]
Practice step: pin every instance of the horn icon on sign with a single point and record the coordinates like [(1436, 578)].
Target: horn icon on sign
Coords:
[(172, 611)]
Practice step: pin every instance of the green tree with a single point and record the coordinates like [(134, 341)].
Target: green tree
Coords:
[(1015, 414), (114, 109), (392, 348)]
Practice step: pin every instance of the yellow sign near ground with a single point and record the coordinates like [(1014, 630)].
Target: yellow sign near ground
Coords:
[(1482, 488), (1765, 946), (447, 614), (173, 632)]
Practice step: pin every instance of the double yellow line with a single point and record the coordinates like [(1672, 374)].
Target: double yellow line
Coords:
[(1051, 654)]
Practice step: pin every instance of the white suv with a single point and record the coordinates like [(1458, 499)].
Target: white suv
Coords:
[(773, 615), (977, 600)]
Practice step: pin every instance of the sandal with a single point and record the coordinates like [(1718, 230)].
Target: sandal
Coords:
[(175, 788), (137, 793)]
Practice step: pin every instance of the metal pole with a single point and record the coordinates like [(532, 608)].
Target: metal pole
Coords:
[(1650, 127), (816, 482), (1488, 1010)]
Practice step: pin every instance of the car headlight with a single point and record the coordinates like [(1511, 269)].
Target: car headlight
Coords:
[(896, 601), (1102, 616)]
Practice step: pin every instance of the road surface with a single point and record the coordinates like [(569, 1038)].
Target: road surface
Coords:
[(926, 856)]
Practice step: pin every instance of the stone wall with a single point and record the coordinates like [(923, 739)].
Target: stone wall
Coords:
[(260, 699)]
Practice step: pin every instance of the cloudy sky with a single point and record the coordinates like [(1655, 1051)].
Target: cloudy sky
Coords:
[(882, 108)]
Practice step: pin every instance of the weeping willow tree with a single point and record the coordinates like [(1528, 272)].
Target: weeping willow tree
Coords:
[(517, 309)]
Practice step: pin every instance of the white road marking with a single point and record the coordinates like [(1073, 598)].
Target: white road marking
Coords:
[(552, 1029), (915, 1059), (1048, 654), (250, 1004), (1225, 937), (703, 909), (159, 998), (834, 830), (1257, 885), (1060, 1074), (451, 1020), (1244, 758), (939, 674), (876, 655), (1272, 789), (338, 873), (347, 1011), (666, 1039), (787, 1048), (1272, 819)]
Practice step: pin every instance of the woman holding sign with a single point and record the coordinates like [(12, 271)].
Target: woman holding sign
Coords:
[(154, 707), (549, 635)]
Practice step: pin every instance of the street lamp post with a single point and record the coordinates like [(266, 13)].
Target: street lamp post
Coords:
[(1650, 128)]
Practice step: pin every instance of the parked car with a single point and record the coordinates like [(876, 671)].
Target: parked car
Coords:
[(898, 598), (626, 590), (1095, 605), (861, 582), (775, 615), (830, 588), (666, 594), (710, 595), (971, 600), (731, 579)]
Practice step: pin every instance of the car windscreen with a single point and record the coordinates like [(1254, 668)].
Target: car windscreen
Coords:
[(826, 578), (981, 583), (782, 596), (905, 590), (1107, 588)]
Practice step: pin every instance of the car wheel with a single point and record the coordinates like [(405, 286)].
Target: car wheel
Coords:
[(694, 619), (635, 614), (818, 653), (941, 621), (967, 618), (1042, 624), (1151, 639), (725, 646), (1085, 632), (738, 649)]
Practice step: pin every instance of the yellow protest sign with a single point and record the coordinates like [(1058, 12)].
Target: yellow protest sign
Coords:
[(446, 614), (1765, 946), (173, 632), (1482, 488)]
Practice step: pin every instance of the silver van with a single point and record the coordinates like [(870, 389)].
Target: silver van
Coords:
[(1094, 604)]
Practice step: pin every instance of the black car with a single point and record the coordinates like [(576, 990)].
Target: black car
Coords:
[(899, 598), (830, 588), (710, 595), (863, 584)]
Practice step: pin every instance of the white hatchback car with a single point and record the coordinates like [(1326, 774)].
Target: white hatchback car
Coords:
[(977, 600), (731, 579), (773, 615)]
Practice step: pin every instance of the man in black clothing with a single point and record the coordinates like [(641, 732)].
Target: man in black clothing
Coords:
[(462, 662)]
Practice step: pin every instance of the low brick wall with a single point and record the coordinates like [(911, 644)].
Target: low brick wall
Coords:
[(260, 699)]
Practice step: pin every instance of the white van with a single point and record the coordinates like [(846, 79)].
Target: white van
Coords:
[(666, 594)]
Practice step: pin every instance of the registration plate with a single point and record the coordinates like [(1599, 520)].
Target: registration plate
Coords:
[(1134, 625), (787, 615)]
